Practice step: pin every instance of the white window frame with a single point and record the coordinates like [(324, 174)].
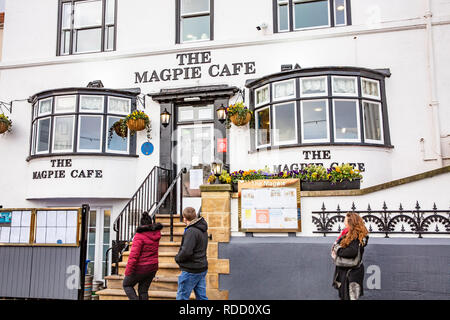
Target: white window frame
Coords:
[(275, 135), (345, 14), (54, 129), (294, 2), (368, 95), (79, 133), (257, 129), (327, 119), (65, 111), (39, 114), (337, 94), (107, 150), (279, 4), (285, 97), (118, 112), (192, 15), (310, 95), (91, 111), (381, 123), (38, 135), (357, 121), (256, 95)]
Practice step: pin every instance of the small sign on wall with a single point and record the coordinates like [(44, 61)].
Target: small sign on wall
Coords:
[(147, 148), (222, 145), (5, 219)]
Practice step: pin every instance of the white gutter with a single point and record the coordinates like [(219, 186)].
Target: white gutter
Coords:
[(434, 102)]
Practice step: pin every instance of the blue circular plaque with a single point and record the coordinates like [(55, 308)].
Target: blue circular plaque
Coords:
[(147, 148)]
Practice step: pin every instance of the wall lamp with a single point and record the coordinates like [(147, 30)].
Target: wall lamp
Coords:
[(221, 114), (165, 118)]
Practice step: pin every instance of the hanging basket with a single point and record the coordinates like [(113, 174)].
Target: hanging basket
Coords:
[(119, 132), (3, 127), (136, 125), (241, 121)]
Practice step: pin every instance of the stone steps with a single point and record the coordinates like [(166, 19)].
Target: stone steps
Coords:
[(119, 294), (159, 283)]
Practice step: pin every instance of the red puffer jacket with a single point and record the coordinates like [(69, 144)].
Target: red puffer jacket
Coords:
[(144, 251)]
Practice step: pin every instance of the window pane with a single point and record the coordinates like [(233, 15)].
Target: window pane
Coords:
[(284, 90), (340, 15), (370, 88), (315, 124), (192, 6), (372, 121), (65, 104), (88, 13), (109, 18), (109, 38), (119, 105), (65, 42), (66, 16), (90, 133), (195, 113), (63, 134), (88, 40), (263, 127), (262, 95), (346, 120), (195, 28), (43, 134), (45, 106), (313, 86), (344, 86), (116, 143), (91, 103), (311, 14), (283, 17), (285, 123)]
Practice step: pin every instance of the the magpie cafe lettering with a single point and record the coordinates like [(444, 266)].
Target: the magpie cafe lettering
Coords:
[(190, 67), (58, 171), (316, 155)]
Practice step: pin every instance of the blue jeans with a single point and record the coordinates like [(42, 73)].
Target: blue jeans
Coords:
[(192, 281)]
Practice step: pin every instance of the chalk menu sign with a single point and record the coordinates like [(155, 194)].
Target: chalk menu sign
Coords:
[(269, 205)]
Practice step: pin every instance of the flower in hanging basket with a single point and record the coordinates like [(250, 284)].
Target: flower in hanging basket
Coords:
[(137, 121), (239, 114), (120, 128), (5, 124)]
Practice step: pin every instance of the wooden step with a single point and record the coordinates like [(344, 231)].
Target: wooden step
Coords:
[(177, 236), (163, 257), (167, 246), (165, 218), (159, 283), (165, 269), (119, 294)]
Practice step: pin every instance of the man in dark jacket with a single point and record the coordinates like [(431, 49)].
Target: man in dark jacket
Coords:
[(192, 257)]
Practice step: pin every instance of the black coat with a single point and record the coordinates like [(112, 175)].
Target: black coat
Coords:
[(192, 255), (345, 276)]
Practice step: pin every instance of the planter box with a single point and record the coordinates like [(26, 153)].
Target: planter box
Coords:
[(325, 185)]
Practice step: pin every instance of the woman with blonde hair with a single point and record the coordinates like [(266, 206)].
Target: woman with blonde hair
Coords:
[(351, 242)]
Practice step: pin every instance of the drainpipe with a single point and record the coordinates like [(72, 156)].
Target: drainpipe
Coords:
[(434, 102)]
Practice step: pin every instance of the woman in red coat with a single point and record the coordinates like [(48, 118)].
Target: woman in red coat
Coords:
[(143, 260)]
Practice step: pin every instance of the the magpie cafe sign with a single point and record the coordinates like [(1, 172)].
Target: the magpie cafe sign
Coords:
[(194, 66), (62, 168), (316, 157)]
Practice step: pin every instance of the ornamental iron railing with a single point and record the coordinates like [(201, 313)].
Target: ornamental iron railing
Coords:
[(388, 222)]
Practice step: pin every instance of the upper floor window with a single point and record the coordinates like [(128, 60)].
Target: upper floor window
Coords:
[(79, 122), (292, 15), (86, 26), (194, 20), (345, 105)]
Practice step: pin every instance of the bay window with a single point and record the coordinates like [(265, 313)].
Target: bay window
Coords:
[(86, 26), (320, 106), (79, 121), (293, 15)]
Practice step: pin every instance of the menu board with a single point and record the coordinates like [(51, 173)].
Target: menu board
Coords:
[(270, 205)]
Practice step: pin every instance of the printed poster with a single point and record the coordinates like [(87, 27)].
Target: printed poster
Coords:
[(5, 219)]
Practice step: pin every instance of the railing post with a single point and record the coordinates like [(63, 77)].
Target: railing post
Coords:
[(83, 248)]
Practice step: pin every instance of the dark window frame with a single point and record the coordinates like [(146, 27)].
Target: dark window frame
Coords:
[(72, 29), (77, 114), (178, 35), (328, 72), (291, 11)]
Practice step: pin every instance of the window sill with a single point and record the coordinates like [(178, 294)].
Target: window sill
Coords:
[(370, 145), (38, 156)]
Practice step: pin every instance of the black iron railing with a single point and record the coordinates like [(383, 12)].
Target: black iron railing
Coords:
[(387, 222)]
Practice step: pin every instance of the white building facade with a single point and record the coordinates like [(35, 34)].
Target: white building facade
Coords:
[(367, 84)]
